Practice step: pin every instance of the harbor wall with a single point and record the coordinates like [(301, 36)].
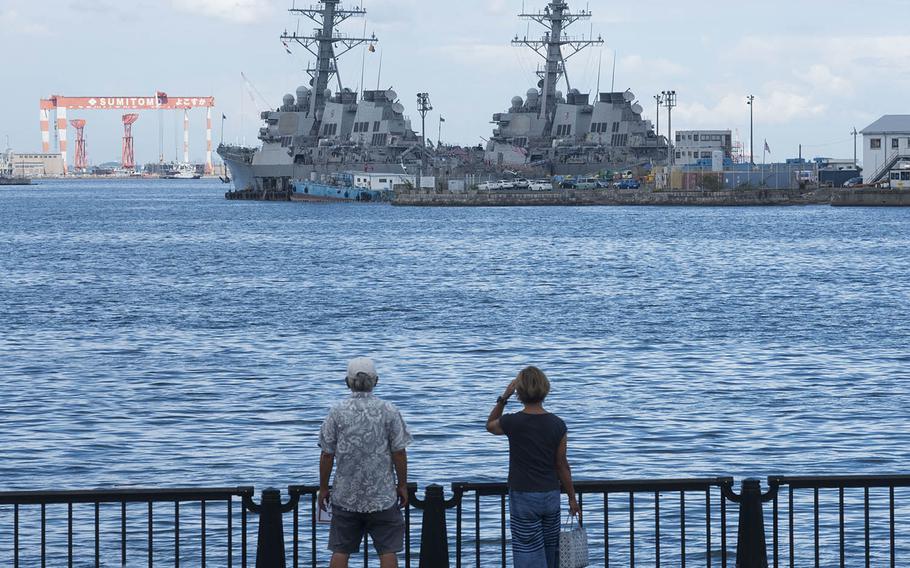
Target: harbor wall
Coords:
[(756, 197), (871, 197)]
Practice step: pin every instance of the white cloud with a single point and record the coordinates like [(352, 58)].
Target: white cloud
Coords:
[(241, 11), (778, 105), (657, 66), (13, 22)]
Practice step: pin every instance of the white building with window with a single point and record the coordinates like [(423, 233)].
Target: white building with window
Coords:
[(377, 182), (885, 143), (693, 146)]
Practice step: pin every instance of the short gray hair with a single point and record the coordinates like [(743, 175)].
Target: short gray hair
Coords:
[(362, 382)]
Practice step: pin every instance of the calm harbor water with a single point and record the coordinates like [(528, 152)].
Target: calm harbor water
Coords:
[(155, 334)]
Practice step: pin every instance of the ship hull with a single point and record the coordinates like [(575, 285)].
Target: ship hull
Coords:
[(15, 181)]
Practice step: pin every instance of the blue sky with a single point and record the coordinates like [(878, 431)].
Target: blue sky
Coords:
[(817, 68)]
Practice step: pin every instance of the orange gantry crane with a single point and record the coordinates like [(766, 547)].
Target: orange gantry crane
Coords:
[(128, 159), (159, 101), (79, 161)]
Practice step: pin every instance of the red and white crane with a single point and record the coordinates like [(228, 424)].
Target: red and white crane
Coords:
[(128, 159), (159, 101), (79, 160)]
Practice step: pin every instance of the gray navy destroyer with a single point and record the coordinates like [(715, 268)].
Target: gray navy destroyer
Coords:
[(570, 133), (316, 132)]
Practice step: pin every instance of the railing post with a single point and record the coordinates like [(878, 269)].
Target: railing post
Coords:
[(270, 548), (434, 539), (751, 548)]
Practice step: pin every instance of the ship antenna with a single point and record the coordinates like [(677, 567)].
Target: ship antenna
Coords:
[(379, 76), (363, 54), (600, 65), (613, 85)]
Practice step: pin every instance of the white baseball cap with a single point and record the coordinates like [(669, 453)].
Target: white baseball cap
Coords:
[(363, 365)]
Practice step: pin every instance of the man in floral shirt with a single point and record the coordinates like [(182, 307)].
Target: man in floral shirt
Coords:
[(366, 438)]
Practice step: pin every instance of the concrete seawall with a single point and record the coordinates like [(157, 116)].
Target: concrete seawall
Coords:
[(869, 197), (758, 197)]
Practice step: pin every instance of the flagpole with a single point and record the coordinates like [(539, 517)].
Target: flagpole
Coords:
[(222, 128), (439, 137)]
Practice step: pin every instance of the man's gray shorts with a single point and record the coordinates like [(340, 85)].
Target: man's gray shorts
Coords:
[(386, 528)]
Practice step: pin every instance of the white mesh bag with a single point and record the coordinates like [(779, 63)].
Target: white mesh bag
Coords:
[(573, 545)]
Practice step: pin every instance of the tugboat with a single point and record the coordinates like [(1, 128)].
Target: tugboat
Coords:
[(6, 171)]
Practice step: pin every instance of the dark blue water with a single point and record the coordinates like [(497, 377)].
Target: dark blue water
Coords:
[(154, 333)]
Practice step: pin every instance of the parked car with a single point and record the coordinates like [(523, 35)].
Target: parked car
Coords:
[(540, 185), (853, 182), (585, 184), (486, 186), (628, 184), (521, 183)]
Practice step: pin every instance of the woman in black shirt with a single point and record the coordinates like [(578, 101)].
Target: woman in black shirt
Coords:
[(537, 466)]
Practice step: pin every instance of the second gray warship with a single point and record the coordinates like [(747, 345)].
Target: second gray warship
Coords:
[(570, 133), (318, 132)]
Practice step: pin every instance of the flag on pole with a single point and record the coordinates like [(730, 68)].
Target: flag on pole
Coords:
[(767, 148), (372, 48), (441, 119), (223, 117)]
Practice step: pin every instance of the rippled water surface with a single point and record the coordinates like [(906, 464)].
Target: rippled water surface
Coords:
[(155, 333)]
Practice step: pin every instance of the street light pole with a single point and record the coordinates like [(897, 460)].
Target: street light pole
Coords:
[(423, 107), (670, 102), (750, 100), (660, 100), (855, 163)]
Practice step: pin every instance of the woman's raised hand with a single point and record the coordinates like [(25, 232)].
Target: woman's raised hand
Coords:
[(510, 390)]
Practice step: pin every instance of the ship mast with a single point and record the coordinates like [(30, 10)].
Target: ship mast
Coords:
[(322, 44), (556, 18)]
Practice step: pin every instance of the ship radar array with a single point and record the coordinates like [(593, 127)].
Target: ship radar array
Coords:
[(322, 44), (556, 18)]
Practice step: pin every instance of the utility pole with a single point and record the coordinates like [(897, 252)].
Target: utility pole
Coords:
[(750, 100), (423, 107), (670, 102), (660, 100), (855, 163)]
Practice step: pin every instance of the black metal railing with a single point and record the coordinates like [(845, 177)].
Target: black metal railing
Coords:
[(835, 533), (116, 531), (304, 497), (614, 513), (853, 520)]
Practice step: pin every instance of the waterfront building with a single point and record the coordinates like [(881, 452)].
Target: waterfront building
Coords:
[(378, 181), (698, 146), (36, 165), (886, 144)]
